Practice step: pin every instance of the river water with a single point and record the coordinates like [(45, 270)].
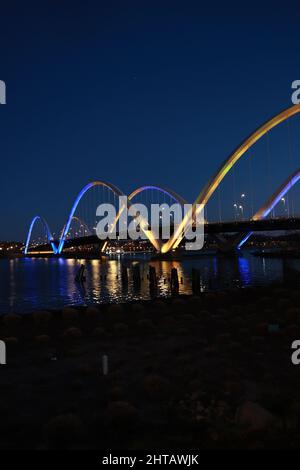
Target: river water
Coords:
[(29, 284)]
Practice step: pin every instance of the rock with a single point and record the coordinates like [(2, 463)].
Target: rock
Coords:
[(42, 318), (145, 326), (204, 315), (257, 340), (235, 346), (187, 317), (92, 312), (156, 387), (63, 430), (72, 333), (292, 314), (265, 302), (253, 417), (211, 299), (115, 309), (210, 351), (291, 331), (42, 339), (194, 303), (223, 338), (99, 332), (11, 320), (284, 304), (121, 329), (223, 312), (222, 299), (178, 306), (237, 310), (70, 314), (261, 329), (234, 389), (86, 370), (12, 340), (122, 413), (159, 305), (138, 309), (116, 393), (243, 333), (252, 391), (167, 322)]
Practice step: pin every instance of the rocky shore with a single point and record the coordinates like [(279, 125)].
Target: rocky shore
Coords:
[(197, 372)]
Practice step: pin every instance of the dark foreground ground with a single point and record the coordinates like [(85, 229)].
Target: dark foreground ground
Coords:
[(213, 371)]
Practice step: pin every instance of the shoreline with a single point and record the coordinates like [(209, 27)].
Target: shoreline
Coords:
[(182, 371)]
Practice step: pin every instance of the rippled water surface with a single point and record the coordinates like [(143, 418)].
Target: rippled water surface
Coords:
[(28, 284)]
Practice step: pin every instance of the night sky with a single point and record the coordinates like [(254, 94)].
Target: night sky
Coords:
[(139, 92)]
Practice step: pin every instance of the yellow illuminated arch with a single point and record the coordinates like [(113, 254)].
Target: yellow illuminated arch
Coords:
[(139, 190), (226, 166)]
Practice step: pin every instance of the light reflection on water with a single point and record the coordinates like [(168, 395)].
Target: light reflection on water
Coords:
[(28, 284)]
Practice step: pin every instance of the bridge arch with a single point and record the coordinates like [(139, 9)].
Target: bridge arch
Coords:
[(80, 195), (167, 192), (226, 166), (47, 230), (80, 221), (269, 205)]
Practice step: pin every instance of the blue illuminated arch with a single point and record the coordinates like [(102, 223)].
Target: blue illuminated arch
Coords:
[(269, 205), (168, 192), (86, 188), (47, 230)]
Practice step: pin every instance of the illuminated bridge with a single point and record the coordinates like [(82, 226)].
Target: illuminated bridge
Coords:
[(79, 228)]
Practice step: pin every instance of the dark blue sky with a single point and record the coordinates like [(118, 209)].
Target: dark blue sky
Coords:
[(133, 92)]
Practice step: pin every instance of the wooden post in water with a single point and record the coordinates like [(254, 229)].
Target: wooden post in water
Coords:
[(152, 279), (195, 281), (124, 275), (174, 281), (136, 276), (80, 277)]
